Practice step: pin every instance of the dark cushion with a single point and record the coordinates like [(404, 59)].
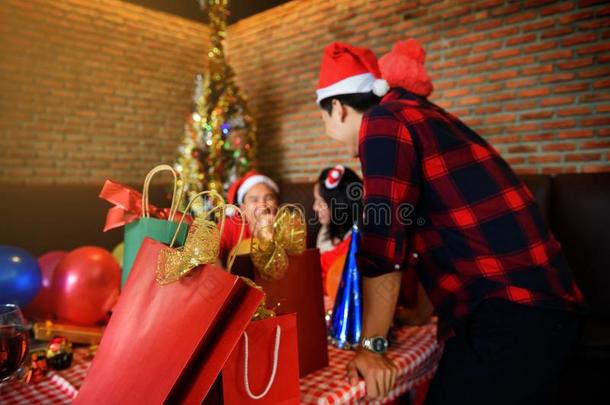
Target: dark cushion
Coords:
[(540, 186), (580, 218), (596, 335)]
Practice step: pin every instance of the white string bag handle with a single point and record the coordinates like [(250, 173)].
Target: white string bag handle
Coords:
[(278, 332)]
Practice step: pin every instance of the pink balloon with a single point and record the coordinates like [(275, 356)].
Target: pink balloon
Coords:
[(86, 285), (43, 305)]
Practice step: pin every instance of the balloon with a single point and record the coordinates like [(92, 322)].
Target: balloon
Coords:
[(43, 305), (20, 276), (118, 252), (86, 285)]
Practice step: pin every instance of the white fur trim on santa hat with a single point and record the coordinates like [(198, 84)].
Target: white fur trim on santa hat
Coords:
[(362, 83), (380, 87), (253, 181)]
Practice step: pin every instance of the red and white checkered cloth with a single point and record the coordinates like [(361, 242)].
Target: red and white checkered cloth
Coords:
[(415, 352), (60, 387)]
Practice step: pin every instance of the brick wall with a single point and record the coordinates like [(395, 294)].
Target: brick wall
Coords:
[(92, 89), (533, 77), (96, 89)]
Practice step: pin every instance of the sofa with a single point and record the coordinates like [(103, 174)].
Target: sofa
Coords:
[(41, 218)]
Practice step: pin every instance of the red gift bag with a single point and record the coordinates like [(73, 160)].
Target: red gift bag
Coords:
[(264, 367), (168, 343), (299, 291)]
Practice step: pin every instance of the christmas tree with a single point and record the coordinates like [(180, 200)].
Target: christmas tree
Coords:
[(220, 135)]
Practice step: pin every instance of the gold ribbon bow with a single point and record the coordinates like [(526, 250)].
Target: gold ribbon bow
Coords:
[(202, 245), (272, 242)]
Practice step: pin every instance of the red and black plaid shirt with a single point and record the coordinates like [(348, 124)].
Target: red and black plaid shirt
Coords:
[(439, 198)]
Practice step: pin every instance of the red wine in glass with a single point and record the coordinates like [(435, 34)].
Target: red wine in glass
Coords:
[(13, 340), (13, 349)]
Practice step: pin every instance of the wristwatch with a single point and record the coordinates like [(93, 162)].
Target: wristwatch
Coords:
[(375, 344)]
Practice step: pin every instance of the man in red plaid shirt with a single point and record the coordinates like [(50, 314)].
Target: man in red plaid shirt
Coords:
[(440, 200)]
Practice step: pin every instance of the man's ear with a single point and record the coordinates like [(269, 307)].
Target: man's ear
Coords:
[(343, 113), (339, 110)]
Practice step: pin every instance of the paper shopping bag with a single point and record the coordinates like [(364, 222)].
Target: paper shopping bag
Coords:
[(168, 343), (159, 229), (299, 291), (264, 367)]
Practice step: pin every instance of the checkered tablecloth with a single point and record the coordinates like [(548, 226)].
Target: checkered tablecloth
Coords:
[(415, 353), (60, 387)]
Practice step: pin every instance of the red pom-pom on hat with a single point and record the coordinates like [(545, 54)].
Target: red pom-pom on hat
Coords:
[(403, 67)]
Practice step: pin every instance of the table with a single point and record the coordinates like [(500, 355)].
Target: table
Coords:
[(415, 352), (60, 387)]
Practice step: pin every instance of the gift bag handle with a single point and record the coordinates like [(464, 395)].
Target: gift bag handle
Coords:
[(222, 206), (215, 196), (176, 196), (276, 352), (233, 254)]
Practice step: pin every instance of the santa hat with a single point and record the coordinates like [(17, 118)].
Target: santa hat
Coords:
[(241, 186), (403, 67), (349, 69)]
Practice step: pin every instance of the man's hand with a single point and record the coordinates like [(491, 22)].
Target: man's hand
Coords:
[(378, 371)]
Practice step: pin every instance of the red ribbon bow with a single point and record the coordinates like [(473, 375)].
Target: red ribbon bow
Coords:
[(128, 206)]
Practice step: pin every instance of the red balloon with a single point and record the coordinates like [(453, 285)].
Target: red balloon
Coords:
[(43, 305), (86, 285)]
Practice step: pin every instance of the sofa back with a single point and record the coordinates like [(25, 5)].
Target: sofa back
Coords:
[(577, 208), (40, 218), (580, 219)]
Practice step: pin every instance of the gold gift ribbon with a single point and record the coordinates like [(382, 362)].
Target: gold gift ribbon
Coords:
[(202, 244), (271, 244)]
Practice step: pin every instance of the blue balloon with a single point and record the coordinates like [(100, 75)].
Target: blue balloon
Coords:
[(20, 276)]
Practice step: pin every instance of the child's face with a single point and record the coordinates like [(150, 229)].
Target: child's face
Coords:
[(320, 206), (258, 199)]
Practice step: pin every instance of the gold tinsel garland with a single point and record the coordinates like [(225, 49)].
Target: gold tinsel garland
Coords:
[(220, 136)]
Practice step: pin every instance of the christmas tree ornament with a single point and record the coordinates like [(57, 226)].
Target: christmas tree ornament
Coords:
[(59, 353)]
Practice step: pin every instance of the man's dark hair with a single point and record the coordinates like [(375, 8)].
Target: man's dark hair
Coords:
[(358, 101), (344, 202)]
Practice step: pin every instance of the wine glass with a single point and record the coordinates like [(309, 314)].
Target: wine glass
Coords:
[(13, 341)]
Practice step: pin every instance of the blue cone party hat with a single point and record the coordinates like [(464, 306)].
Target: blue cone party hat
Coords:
[(346, 319)]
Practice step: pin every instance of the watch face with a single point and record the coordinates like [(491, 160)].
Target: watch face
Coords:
[(379, 344)]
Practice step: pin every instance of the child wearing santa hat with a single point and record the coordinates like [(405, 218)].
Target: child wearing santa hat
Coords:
[(257, 197), (459, 215)]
